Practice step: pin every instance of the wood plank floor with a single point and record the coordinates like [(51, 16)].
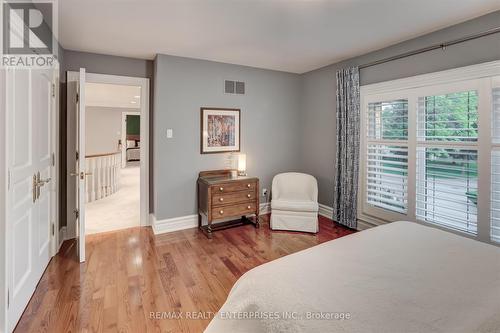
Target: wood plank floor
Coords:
[(131, 273)]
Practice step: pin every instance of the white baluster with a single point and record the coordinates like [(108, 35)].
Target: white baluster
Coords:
[(94, 175), (99, 178)]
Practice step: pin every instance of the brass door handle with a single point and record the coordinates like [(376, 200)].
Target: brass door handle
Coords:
[(81, 174), (34, 189), (42, 182)]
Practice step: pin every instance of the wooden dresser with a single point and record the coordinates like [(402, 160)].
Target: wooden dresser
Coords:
[(222, 197)]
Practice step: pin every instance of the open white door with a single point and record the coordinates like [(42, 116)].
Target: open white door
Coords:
[(30, 106), (80, 164)]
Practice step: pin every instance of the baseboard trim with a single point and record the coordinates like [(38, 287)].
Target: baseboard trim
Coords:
[(265, 208), (62, 237), (188, 221), (325, 211), (174, 224)]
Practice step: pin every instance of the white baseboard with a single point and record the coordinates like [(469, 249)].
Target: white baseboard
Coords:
[(265, 208), (173, 224), (325, 211), (62, 237), (187, 222)]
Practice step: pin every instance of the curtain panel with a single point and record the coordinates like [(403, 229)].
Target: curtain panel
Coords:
[(348, 141)]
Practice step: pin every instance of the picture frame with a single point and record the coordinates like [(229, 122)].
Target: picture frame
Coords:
[(220, 130)]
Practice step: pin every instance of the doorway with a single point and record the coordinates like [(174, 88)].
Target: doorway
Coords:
[(112, 157), (114, 179)]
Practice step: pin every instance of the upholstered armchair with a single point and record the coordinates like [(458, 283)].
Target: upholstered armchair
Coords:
[(294, 204)]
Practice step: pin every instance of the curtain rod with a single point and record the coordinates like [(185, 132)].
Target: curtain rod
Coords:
[(432, 47)]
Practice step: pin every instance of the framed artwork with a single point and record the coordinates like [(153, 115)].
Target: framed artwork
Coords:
[(220, 130)]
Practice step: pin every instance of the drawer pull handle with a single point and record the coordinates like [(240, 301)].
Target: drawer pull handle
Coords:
[(249, 185), (221, 212), (249, 195), (221, 188), (221, 199), (248, 207)]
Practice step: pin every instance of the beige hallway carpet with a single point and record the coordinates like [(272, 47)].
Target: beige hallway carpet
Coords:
[(119, 210)]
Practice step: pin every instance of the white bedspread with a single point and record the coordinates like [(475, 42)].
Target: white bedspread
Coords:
[(400, 277)]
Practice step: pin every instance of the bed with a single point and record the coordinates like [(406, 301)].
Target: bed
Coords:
[(133, 151), (399, 277)]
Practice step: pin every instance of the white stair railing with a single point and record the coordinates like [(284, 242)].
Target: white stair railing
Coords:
[(103, 175)]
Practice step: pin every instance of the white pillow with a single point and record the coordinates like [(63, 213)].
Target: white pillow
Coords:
[(130, 143)]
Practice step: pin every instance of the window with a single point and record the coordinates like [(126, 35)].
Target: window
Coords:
[(387, 162), (447, 177), (495, 166), (425, 156)]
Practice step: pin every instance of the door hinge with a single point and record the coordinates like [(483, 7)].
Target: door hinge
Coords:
[(53, 229), (53, 159), (8, 298), (77, 155), (53, 90), (77, 213), (8, 180), (77, 98)]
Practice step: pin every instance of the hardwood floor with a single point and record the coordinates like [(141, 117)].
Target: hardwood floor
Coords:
[(132, 273)]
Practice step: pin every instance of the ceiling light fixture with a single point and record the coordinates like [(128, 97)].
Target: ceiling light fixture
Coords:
[(133, 102)]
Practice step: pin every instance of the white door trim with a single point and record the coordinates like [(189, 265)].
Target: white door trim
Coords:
[(124, 134), (144, 113)]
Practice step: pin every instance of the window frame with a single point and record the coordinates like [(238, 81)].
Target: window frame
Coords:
[(482, 78)]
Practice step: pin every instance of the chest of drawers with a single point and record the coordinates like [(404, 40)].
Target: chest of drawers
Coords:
[(225, 201)]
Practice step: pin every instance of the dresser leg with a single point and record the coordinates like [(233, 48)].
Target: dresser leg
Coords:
[(257, 221), (209, 231)]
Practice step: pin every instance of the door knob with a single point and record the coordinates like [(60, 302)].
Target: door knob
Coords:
[(42, 182), (35, 188), (81, 174)]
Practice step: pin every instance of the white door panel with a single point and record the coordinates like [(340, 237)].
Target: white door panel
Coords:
[(21, 208), (29, 112), (21, 149)]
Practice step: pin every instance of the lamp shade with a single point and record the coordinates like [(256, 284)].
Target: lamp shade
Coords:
[(242, 163)]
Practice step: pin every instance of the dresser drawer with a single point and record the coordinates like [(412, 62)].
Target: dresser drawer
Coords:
[(235, 210), (233, 197), (234, 187)]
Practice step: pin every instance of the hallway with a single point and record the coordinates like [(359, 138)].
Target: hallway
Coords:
[(119, 210)]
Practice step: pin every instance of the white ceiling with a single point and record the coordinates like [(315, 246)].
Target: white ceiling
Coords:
[(289, 35), (112, 95)]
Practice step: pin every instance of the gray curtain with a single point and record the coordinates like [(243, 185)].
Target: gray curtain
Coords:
[(347, 159)]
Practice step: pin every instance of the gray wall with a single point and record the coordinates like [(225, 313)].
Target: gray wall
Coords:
[(318, 98), (103, 129), (270, 125), (106, 64)]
